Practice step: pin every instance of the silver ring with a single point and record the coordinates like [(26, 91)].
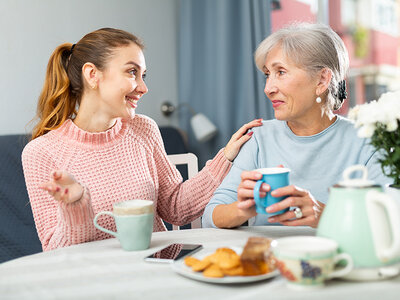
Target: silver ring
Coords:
[(298, 213), (316, 211)]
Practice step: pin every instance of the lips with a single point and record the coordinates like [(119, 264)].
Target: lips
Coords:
[(277, 103), (132, 101)]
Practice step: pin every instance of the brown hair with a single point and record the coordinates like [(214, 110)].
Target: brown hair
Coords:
[(63, 86)]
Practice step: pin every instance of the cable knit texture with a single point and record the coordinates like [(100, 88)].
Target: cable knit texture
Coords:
[(126, 162)]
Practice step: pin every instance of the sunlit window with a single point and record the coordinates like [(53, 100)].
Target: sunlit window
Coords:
[(384, 16), (349, 8)]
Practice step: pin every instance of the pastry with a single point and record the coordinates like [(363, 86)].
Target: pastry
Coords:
[(255, 258)]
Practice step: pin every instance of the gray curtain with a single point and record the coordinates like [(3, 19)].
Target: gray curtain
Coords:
[(217, 73)]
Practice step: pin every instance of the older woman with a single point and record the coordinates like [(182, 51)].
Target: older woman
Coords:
[(305, 67)]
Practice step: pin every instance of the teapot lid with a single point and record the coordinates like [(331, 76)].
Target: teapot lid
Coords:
[(356, 182)]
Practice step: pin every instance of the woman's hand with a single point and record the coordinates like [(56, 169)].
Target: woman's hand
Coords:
[(296, 197), (245, 192), (239, 138), (236, 213), (63, 187)]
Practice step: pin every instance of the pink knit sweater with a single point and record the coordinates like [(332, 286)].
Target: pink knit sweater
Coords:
[(126, 162)]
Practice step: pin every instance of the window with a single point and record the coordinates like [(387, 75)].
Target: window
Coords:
[(385, 17), (349, 9), (373, 91)]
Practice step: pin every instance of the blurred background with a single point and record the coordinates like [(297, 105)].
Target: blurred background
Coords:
[(199, 55)]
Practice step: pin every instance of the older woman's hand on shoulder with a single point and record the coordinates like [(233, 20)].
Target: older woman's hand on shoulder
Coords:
[(63, 187), (307, 212), (239, 138)]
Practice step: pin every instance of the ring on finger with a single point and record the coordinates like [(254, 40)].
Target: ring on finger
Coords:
[(316, 211), (298, 213)]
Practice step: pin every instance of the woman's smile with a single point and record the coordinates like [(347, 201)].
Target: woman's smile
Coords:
[(277, 103), (132, 101)]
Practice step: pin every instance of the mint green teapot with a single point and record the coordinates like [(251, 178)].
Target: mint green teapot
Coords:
[(365, 223)]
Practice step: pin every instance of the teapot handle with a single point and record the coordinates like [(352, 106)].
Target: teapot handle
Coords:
[(351, 169), (384, 224)]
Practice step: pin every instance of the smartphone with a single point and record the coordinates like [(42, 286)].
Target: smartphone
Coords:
[(173, 252)]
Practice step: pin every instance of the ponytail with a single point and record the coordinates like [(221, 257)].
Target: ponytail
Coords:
[(56, 103)]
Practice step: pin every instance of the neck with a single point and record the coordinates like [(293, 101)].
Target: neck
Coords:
[(312, 126), (90, 118)]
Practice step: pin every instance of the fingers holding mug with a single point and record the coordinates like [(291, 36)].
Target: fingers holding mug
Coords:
[(246, 186), (275, 178)]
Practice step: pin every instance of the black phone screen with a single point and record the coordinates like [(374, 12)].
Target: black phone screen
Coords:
[(175, 251)]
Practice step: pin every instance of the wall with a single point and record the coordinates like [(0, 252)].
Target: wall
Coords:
[(292, 11), (30, 31)]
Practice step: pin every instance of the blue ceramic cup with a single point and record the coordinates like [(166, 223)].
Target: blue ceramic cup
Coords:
[(134, 222), (275, 178)]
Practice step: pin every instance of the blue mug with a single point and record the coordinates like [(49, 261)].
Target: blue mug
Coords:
[(275, 178)]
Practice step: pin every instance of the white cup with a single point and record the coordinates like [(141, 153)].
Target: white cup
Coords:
[(307, 261)]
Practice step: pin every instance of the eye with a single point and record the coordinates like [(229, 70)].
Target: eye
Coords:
[(144, 76), (281, 72), (266, 75), (132, 72)]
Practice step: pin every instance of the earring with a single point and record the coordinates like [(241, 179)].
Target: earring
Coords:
[(318, 100)]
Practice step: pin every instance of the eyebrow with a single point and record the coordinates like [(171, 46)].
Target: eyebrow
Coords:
[(135, 64), (273, 65), (276, 63)]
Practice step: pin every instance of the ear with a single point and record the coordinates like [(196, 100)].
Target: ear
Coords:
[(90, 75), (324, 79)]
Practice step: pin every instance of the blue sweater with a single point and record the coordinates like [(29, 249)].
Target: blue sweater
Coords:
[(316, 162)]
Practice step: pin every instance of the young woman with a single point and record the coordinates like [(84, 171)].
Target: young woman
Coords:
[(89, 149)]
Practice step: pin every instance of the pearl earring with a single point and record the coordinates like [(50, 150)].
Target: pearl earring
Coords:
[(318, 100)]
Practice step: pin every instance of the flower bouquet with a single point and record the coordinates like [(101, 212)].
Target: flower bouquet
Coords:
[(380, 121)]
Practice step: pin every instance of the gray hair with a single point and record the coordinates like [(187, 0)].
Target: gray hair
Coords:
[(311, 47)]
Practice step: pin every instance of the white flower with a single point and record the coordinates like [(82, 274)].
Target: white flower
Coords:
[(379, 120), (385, 111), (390, 104), (366, 131), (353, 113), (392, 125)]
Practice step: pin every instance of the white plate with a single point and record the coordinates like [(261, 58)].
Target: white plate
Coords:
[(180, 267)]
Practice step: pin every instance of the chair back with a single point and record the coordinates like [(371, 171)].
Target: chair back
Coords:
[(176, 146), (191, 161), (18, 235), (188, 159)]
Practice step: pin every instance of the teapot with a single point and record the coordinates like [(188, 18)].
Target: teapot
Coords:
[(365, 223)]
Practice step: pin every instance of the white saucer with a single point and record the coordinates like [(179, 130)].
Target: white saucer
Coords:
[(379, 273)]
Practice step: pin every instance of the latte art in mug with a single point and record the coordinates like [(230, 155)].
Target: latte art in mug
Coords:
[(133, 207)]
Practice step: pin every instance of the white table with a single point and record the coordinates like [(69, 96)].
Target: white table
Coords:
[(102, 270)]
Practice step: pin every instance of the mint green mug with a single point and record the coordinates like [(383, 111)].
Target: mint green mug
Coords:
[(134, 222)]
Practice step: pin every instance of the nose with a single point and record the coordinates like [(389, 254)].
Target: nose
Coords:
[(270, 86), (141, 86)]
